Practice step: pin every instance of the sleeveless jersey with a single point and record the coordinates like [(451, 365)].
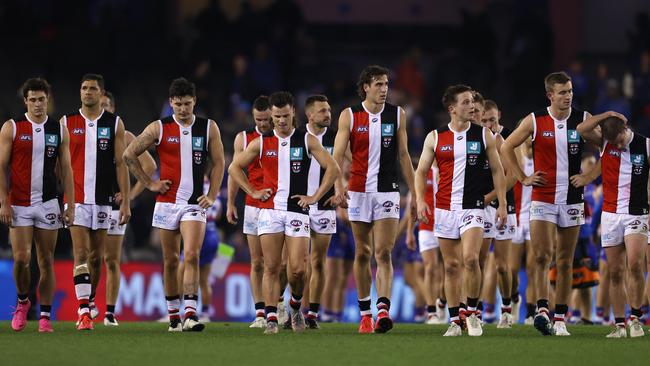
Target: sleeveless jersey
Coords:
[(373, 143), (461, 160), (557, 151), (34, 152), (523, 194), (510, 194), (183, 152), (316, 173), (285, 162), (254, 170), (625, 177), (92, 152)]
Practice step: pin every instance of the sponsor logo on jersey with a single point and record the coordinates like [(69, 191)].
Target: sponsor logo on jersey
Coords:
[(197, 143), (637, 159), (38, 129), (573, 136), (51, 140), (387, 129), (103, 133), (375, 119), (473, 147), (186, 133), (295, 153)]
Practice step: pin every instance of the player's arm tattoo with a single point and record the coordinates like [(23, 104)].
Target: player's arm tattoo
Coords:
[(137, 148)]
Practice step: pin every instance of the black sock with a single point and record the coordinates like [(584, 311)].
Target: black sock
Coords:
[(472, 302), (364, 306), (453, 313), (561, 309), (271, 314), (542, 303), (314, 307), (530, 310), (383, 303), (110, 309), (45, 311), (259, 305), (619, 321), (480, 306), (506, 301), (431, 308), (23, 297), (463, 306), (295, 301), (92, 296), (515, 297), (636, 312)]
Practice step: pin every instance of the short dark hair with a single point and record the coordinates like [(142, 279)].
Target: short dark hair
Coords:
[(478, 98), (490, 104), (368, 74), (281, 99), (181, 87), (35, 84), (611, 127), (261, 103), (553, 78), (110, 97), (97, 77), (312, 99), (451, 94)]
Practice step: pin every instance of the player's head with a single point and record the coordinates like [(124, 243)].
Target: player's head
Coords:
[(373, 84), (92, 89), (262, 114), (479, 106), (182, 98), (318, 110), (559, 90), (491, 115), (107, 102), (458, 100), (283, 111), (614, 131), (36, 94)]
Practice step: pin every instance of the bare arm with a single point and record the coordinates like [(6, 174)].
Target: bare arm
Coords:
[(6, 143), (148, 165), (122, 174), (341, 146), (404, 157), (327, 162), (218, 163), (497, 175), (516, 138), (65, 171), (233, 187), (590, 130), (136, 148), (584, 178), (240, 162), (424, 165)]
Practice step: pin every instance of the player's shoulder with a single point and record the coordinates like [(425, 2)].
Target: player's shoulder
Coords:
[(166, 120)]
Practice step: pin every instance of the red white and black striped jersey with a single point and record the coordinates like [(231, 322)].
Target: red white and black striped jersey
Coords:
[(461, 160), (430, 198), (285, 162), (34, 152), (316, 172), (183, 152), (254, 170), (625, 177), (557, 151), (523, 194), (373, 143), (510, 194), (92, 152)]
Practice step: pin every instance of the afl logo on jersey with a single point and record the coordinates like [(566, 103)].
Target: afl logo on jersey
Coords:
[(362, 129), (446, 148), (77, 131), (271, 153), (173, 140), (548, 134), (25, 138), (614, 153)]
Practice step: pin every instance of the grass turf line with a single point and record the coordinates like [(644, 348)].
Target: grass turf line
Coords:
[(149, 343)]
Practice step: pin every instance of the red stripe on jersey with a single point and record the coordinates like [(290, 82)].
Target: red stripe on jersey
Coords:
[(169, 152), (21, 165), (611, 165), (428, 198), (359, 144), (269, 162), (77, 130), (545, 159), (254, 171), (445, 159)]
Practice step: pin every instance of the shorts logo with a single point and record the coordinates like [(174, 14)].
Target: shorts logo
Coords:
[(635, 222), (468, 218), (102, 215), (479, 219), (173, 140), (51, 140), (473, 147), (323, 221), (264, 223), (572, 211), (487, 225), (103, 133), (296, 153), (197, 143), (198, 157), (388, 204), (296, 223), (50, 216), (25, 138), (271, 153), (362, 129), (573, 137), (548, 134), (159, 219), (446, 148), (387, 129), (354, 211), (296, 166), (511, 229)]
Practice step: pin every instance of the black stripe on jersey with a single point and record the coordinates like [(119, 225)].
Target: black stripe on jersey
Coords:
[(199, 158), (105, 165), (328, 144), (389, 169), (510, 195), (575, 147), (52, 128), (299, 174), (475, 162), (639, 181)]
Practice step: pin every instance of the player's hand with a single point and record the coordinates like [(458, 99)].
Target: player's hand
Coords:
[(6, 214), (125, 214), (117, 198), (410, 240), (304, 201), (68, 216), (262, 194), (413, 207), (502, 217), (160, 186), (580, 180), (618, 115), (423, 211), (332, 202), (536, 179), (341, 196), (231, 214), (205, 201)]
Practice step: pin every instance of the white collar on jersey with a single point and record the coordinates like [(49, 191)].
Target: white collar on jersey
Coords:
[(92, 120), (558, 120), (36, 123), (469, 125), (178, 123), (284, 138), (370, 113)]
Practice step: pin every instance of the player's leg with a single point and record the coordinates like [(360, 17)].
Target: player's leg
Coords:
[(193, 233), (516, 256), (362, 273), (45, 245), (82, 283), (430, 262), (489, 290), (471, 241), (414, 278), (441, 302), (384, 233), (531, 284), (256, 274), (112, 258), (170, 242), (319, 246), (543, 238), (271, 244), (646, 296), (451, 256), (297, 250), (635, 245), (206, 291), (566, 244), (616, 266), (95, 260), (21, 249), (603, 305), (504, 278)]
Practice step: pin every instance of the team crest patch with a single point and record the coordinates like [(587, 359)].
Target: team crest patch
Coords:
[(51, 140), (387, 129), (296, 153), (638, 161), (296, 166), (198, 157), (197, 143)]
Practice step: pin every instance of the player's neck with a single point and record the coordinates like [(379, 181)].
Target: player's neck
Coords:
[(185, 122), (315, 129), (458, 125), (34, 119), (558, 113), (372, 107), (93, 112), (284, 135)]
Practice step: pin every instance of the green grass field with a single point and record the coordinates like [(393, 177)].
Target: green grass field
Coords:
[(334, 344)]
